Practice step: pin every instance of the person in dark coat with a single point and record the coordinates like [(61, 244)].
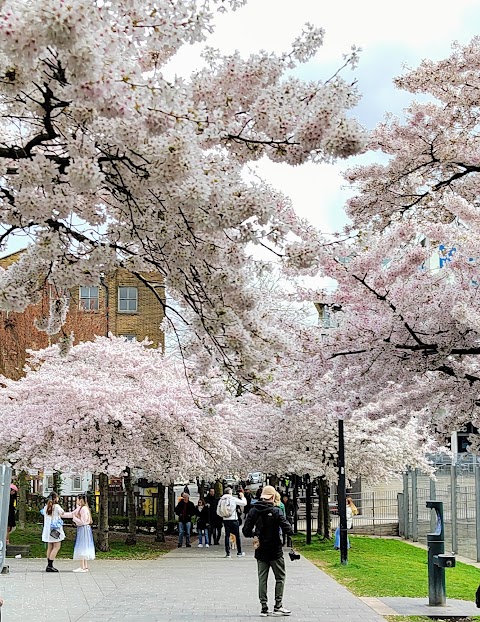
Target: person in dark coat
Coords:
[(290, 513), (215, 521), (264, 522), (185, 509), (248, 497), (202, 523), (11, 524)]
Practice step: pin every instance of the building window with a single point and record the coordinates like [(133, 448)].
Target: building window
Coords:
[(128, 299), (463, 440), (76, 482), (129, 337), (49, 482), (89, 298)]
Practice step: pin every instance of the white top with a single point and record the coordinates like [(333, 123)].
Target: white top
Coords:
[(47, 521), (238, 501), (349, 517)]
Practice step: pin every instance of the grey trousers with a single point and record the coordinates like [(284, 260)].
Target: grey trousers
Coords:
[(278, 567)]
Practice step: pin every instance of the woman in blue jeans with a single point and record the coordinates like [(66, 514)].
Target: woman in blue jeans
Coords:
[(202, 523)]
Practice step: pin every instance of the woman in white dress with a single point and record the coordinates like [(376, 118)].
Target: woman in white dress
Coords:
[(84, 545), (53, 533)]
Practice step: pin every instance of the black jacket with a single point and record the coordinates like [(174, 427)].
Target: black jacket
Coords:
[(265, 521), (185, 514), (212, 503), (203, 517)]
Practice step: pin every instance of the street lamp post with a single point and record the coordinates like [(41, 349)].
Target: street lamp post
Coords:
[(341, 496)]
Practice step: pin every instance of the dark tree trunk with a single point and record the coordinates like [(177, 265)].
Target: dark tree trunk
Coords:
[(326, 509), (131, 509), (57, 482), (160, 537), (171, 502), (102, 528), (218, 489), (273, 479), (201, 488), (323, 516), (22, 499)]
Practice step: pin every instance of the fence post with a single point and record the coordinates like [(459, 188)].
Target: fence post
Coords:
[(433, 496), (453, 499), (477, 506), (5, 480), (414, 506), (406, 504), (401, 515)]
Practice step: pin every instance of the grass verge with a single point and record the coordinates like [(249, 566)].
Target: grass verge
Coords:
[(386, 567), (146, 547)]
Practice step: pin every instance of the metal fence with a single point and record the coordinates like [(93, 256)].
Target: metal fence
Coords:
[(458, 486), (377, 512)]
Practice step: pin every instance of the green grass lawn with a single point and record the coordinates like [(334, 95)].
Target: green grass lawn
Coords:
[(385, 567), (146, 547)]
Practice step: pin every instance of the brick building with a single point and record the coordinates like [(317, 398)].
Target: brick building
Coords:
[(120, 304)]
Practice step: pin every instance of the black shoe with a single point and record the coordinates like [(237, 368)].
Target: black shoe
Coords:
[(264, 613), (51, 569), (189, 546), (179, 546)]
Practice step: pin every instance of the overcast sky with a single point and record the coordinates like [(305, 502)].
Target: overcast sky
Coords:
[(391, 35)]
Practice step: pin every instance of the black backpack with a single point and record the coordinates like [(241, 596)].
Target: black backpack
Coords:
[(267, 526)]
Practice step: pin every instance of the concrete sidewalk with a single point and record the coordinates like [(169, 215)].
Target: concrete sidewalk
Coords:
[(186, 584)]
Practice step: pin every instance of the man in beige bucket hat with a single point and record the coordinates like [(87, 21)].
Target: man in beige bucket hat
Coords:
[(264, 522)]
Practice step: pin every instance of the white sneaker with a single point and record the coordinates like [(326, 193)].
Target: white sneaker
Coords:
[(228, 556), (80, 570), (200, 546), (206, 546), (281, 611), (240, 554)]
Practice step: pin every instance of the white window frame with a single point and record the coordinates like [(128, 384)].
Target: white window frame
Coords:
[(129, 336), (88, 298), (128, 298), (79, 487)]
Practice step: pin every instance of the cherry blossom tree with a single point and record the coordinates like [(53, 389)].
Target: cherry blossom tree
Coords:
[(407, 341), (106, 163), (107, 405), (288, 423)]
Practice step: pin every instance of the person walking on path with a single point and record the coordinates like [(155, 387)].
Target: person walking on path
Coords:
[(214, 520), (263, 523), (84, 545), (11, 524), (227, 509), (202, 523), (53, 533), (185, 509)]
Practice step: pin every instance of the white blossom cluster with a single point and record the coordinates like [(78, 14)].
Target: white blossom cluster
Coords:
[(106, 163)]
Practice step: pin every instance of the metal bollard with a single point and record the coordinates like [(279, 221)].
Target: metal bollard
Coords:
[(437, 559)]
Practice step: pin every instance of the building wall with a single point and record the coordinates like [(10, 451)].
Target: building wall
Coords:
[(18, 333), (145, 322)]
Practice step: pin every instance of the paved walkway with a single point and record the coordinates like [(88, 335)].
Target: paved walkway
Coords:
[(197, 585)]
